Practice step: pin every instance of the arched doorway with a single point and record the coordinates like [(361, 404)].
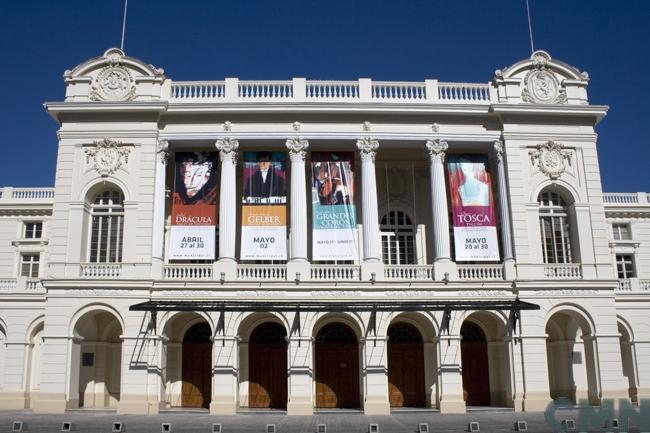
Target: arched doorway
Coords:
[(267, 367), (96, 360), (628, 358), (337, 367), (197, 366), (406, 386), (34, 362), (571, 358), (476, 371)]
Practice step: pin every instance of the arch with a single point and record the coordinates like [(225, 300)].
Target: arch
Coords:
[(33, 361), (351, 319), (569, 193), (96, 356), (99, 184), (167, 322), (562, 68), (36, 322), (110, 56), (337, 358), (571, 354), (628, 357), (196, 365), (424, 321), (246, 323)]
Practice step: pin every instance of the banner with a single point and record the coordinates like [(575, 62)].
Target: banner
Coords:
[(472, 205), (264, 206), (333, 215), (194, 206)]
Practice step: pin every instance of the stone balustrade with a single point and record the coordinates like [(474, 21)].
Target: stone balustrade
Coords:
[(10, 194), (633, 286), (301, 90), (408, 272), (188, 272), (21, 285), (626, 198), (335, 272), (262, 272), (568, 271), (101, 270), (480, 272)]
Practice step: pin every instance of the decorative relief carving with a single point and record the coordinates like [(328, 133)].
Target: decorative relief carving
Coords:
[(261, 293), (409, 293), (551, 158), (228, 149), (113, 83), (482, 293), (540, 84), (108, 156), (99, 292), (368, 147), (227, 126), (436, 149), (163, 151), (336, 293), (498, 149), (297, 147), (566, 292)]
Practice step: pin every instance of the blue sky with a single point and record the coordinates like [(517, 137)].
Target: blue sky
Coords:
[(408, 40)]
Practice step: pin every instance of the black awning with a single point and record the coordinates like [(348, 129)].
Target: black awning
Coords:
[(334, 306)]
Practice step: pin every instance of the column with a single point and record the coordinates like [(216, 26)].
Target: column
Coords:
[(504, 213), (227, 208), (443, 267), (298, 267), (451, 377), (224, 375), (371, 240), (376, 380), (158, 233), (301, 379)]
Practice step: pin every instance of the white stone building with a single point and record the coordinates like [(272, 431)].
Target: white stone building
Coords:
[(94, 313)]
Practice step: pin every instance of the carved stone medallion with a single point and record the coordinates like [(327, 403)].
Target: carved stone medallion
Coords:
[(540, 84), (551, 158), (107, 156), (114, 83)]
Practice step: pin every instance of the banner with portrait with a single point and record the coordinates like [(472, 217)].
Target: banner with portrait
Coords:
[(472, 205), (334, 225), (194, 206), (264, 206)]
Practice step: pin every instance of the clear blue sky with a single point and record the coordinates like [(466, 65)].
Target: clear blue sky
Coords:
[(407, 40)]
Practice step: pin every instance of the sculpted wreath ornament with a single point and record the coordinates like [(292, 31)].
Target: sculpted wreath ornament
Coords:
[(551, 158), (114, 83), (107, 156)]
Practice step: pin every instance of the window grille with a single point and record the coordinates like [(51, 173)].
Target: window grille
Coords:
[(621, 232), (33, 230), (625, 266), (29, 265), (107, 213), (554, 226)]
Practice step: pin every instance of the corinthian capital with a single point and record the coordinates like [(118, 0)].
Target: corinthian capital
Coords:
[(297, 147), (436, 149), (498, 149), (163, 151), (228, 149), (368, 147)]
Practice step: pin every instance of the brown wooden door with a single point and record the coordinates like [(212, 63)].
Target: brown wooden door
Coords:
[(476, 371), (406, 375), (267, 367), (196, 390), (337, 367)]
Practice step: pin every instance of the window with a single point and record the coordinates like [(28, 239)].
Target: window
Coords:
[(397, 239), (554, 225), (625, 266), (33, 230), (621, 232), (29, 265), (107, 213)]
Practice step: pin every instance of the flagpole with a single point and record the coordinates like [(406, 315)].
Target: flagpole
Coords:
[(530, 28), (126, 4)]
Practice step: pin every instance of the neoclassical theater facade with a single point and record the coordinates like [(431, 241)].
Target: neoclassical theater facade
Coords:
[(303, 244)]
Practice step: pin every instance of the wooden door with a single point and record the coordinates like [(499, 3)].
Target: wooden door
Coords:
[(476, 371), (337, 367), (406, 387), (267, 367), (196, 389)]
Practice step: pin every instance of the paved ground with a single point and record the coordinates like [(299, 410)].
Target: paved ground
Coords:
[(491, 421)]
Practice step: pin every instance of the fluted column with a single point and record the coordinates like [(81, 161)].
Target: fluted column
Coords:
[(436, 150), (297, 148), (158, 234), (227, 200), (504, 205), (368, 148)]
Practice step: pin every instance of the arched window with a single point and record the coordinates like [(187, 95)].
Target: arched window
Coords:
[(554, 226), (107, 213), (397, 239)]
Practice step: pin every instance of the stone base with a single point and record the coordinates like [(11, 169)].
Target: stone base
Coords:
[(444, 270), (223, 408), (372, 271), (225, 268), (13, 401), (374, 407), (509, 270), (137, 407), (452, 406), (536, 403), (300, 408), (53, 403), (302, 268)]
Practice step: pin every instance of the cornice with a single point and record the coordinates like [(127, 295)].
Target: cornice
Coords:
[(597, 111), (616, 211), (335, 135), (55, 109), (541, 136)]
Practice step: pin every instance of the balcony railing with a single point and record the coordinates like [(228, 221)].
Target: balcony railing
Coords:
[(21, 285), (480, 272), (335, 272), (633, 285), (563, 271), (22, 195), (262, 272), (301, 90), (101, 270), (408, 272), (188, 272)]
